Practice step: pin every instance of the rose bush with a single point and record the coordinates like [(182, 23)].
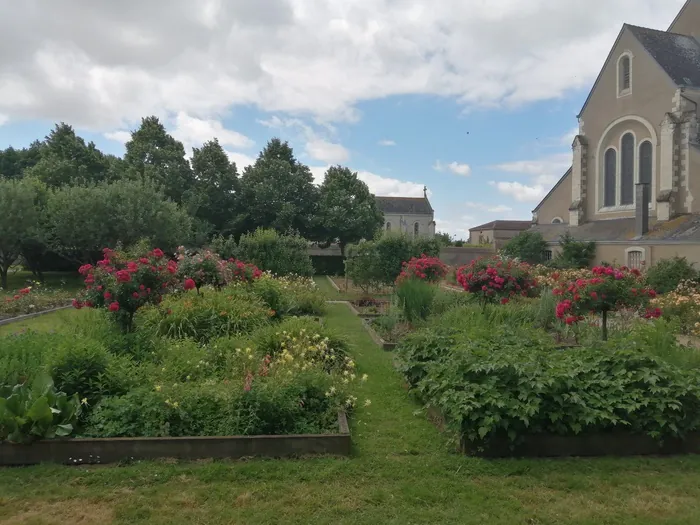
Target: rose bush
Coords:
[(425, 268), (123, 286), (601, 290), (497, 279), (207, 268)]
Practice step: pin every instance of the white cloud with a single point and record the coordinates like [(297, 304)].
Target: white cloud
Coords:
[(521, 192), (387, 142), (500, 208), (454, 167), (319, 149), (193, 132), (241, 159), (105, 67), (383, 186), (4, 119), (119, 136), (552, 166), (569, 137)]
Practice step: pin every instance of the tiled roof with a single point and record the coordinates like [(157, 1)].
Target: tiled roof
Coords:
[(407, 205), (685, 228), (678, 55), (504, 225)]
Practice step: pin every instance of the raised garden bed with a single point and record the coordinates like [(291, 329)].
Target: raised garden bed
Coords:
[(385, 345), (24, 317), (588, 445), (112, 450), (369, 308)]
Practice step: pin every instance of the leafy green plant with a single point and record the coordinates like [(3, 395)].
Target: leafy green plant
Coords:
[(528, 246), (28, 413), (415, 297), (573, 254), (82, 367), (277, 253), (667, 274), (22, 356), (233, 310)]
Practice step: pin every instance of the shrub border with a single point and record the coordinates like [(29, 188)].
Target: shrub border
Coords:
[(112, 450), (24, 317)]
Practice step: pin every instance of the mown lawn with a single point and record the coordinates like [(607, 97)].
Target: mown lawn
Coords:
[(402, 472)]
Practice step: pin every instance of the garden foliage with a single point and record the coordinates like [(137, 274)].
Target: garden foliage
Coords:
[(497, 279), (276, 253), (667, 274)]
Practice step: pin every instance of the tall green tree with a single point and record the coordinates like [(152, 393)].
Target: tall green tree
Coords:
[(82, 220), (13, 161), (66, 158), (277, 192), (347, 211), (19, 221), (154, 154), (216, 186)]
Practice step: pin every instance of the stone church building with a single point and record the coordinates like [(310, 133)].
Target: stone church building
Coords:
[(634, 184), (412, 215)]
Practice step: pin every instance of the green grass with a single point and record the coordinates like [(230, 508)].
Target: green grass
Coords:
[(402, 471), (43, 323)]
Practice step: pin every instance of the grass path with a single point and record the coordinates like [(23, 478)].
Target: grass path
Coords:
[(401, 472)]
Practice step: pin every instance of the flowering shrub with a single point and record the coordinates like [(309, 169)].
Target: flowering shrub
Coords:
[(425, 268), (682, 303), (123, 286), (604, 289), (496, 279), (208, 268), (548, 277)]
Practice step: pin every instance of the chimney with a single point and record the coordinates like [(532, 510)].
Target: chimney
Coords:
[(642, 208)]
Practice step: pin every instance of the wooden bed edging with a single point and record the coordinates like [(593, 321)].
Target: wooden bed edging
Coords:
[(360, 314), (19, 318), (377, 339), (112, 450), (589, 445), (333, 283)]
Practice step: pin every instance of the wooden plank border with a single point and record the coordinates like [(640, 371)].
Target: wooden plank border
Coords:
[(112, 450)]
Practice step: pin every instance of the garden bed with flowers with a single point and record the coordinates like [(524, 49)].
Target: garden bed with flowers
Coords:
[(173, 349), (32, 300), (505, 387)]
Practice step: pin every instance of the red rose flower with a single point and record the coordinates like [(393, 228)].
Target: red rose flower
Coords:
[(113, 307), (135, 295), (107, 295), (77, 304), (123, 276), (189, 284)]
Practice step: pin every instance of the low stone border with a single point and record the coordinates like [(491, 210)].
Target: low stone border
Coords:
[(591, 445), (19, 318), (112, 450), (333, 283), (376, 337)]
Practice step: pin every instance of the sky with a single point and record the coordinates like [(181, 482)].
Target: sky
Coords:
[(474, 99)]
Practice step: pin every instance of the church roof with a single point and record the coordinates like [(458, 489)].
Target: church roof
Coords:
[(407, 205), (682, 229), (504, 225), (678, 55)]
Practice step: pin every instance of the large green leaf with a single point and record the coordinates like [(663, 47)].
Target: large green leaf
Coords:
[(40, 412)]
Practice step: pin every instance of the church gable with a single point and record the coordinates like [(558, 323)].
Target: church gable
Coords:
[(688, 20)]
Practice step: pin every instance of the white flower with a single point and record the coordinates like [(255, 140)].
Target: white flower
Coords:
[(367, 402)]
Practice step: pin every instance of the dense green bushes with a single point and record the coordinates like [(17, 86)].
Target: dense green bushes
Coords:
[(276, 253), (373, 264), (493, 374), (666, 274)]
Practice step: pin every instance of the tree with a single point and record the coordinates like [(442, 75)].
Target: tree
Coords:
[(347, 211), (13, 161), (18, 221), (153, 154), (574, 254), (216, 186), (528, 246), (277, 192), (65, 158), (84, 219), (444, 238)]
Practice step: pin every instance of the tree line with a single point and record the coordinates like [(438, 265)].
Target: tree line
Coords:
[(62, 199)]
